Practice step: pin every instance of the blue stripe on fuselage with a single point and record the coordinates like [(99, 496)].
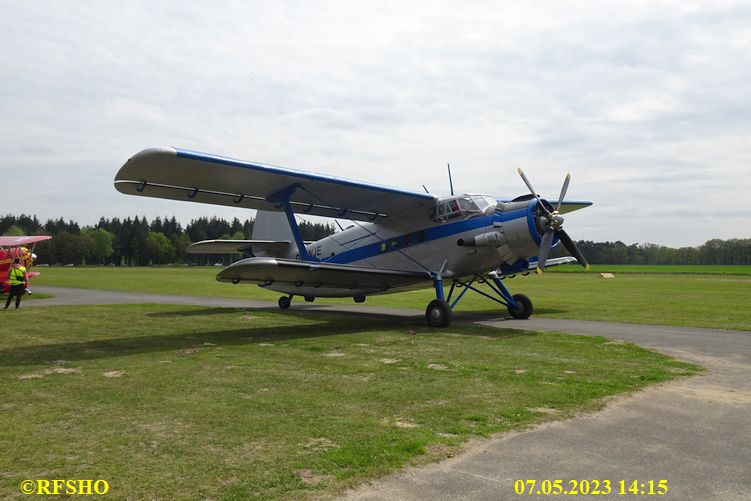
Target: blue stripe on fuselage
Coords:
[(422, 236)]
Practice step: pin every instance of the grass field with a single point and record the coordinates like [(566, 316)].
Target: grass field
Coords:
[(176, 402), (701, 298)]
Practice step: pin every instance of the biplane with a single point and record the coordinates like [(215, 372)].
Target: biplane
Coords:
[(397, 240), (12, 247)]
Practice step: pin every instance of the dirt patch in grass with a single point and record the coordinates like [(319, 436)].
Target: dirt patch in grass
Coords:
[(545, 410), (309, 477), (47, 372)]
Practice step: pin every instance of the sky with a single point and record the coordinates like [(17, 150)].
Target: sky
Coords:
[(646, 103)]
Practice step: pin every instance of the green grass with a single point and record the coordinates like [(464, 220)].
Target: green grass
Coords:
[(712, 300), (232, 404)]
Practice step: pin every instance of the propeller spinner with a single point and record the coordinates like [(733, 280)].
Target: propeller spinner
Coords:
[(553, 222)]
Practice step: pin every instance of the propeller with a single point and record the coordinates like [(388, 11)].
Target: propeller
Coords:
[(554, 227)]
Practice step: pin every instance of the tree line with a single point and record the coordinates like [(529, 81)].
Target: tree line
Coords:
[(137, 241), (716, 251)]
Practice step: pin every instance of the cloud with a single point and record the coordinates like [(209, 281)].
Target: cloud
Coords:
[(646, 103)]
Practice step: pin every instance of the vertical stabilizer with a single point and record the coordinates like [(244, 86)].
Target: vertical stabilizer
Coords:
[(273, 226)]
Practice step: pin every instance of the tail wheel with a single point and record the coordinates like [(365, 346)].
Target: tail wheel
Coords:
[(284, 302), (438, 313), (523, 307)]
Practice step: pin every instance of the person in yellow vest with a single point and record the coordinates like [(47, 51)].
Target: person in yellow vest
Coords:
[(17, 281)]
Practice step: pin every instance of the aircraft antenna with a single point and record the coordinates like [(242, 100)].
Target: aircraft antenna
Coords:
[(426, 190), (451, 183), (339, 225)]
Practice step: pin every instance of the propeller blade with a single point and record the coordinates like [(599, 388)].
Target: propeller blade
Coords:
[(572, 248), (564, 189), (532, 190), (542, 258)]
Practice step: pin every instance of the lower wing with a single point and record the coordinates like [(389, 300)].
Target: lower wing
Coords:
[(320, 279), (553, 262)]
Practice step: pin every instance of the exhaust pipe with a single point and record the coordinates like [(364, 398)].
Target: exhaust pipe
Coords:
[(489, 239)]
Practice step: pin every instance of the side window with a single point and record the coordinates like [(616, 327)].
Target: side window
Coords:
[(453, 209)]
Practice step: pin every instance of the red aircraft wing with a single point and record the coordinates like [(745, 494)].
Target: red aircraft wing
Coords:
[(10, 241)]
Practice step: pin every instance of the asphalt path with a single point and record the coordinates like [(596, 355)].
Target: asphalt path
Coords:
[(695, 433)]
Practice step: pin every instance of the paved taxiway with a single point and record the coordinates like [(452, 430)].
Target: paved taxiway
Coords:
[(695, 432)]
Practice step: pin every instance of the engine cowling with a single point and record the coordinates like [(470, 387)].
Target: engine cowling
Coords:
[(517, 231)]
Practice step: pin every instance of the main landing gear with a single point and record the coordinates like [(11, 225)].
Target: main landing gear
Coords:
[(286, 301), (438, 312)]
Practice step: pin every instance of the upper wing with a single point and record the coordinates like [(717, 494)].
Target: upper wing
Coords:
[(566, 205), (198, 177), (8, 241), (319, 279), (572, 205)]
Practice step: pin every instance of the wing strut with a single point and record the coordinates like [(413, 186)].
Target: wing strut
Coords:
[(281, 198)]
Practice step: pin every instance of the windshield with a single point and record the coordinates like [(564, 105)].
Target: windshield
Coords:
[(483, 202)]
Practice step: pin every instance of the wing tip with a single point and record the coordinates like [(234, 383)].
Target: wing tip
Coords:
[(142, 156), (156, 150)]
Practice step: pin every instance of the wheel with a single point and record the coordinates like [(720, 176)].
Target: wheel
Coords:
[(524, 307), (284, 302), (438, 313), (309, 299)]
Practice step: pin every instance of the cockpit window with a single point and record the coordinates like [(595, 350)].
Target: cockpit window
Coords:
[(463, 206)]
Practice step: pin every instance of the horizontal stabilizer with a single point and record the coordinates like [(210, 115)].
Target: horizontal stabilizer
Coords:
[(263, 247)]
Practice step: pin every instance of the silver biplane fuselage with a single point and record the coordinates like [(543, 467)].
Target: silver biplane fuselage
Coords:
[(464, 235)]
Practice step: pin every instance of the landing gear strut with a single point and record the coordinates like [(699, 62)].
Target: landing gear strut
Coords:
[(439, 311)]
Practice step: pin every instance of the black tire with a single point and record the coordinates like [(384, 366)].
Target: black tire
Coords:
[(284, 302), (523, 309), (438, 313), (309, 299)]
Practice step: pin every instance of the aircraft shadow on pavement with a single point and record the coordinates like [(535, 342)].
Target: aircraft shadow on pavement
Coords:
[(335, 323)]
